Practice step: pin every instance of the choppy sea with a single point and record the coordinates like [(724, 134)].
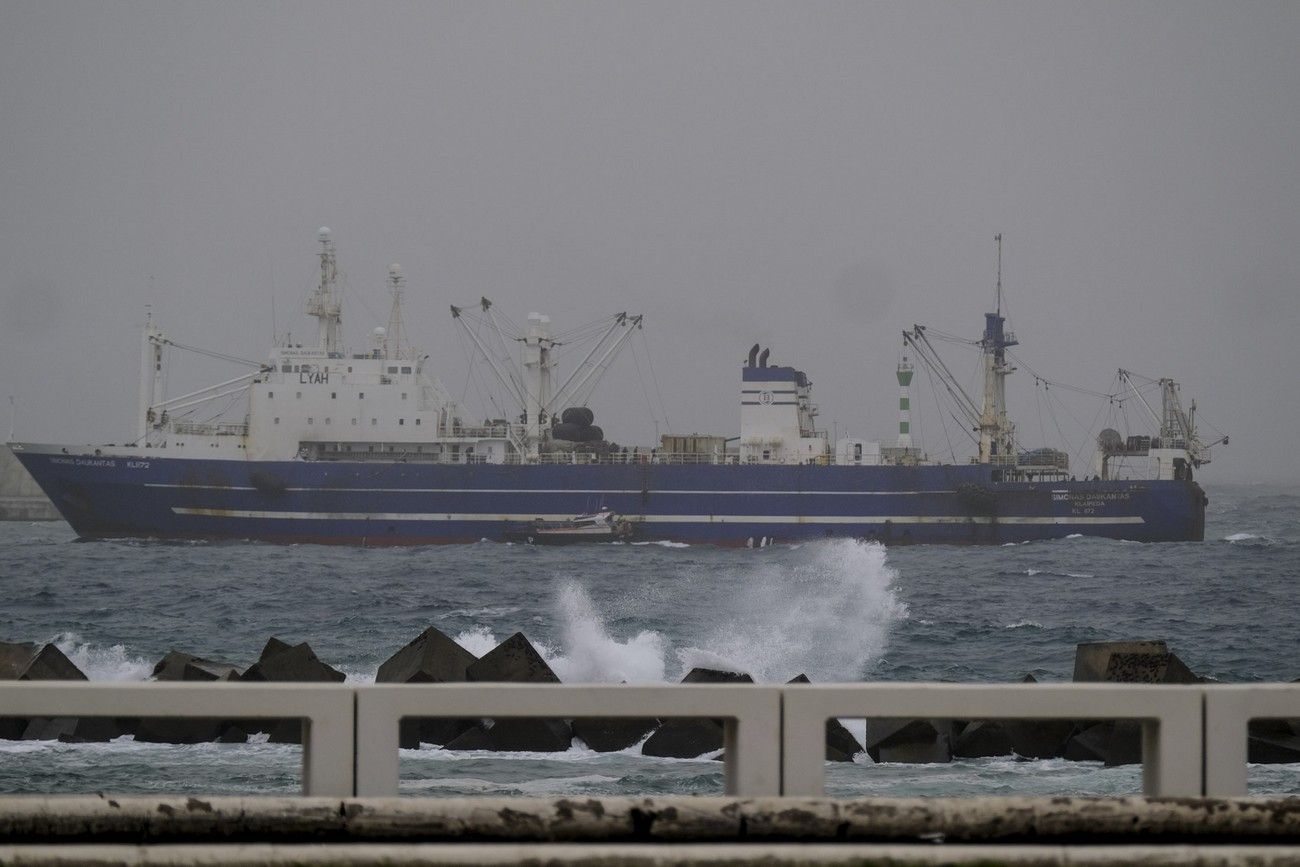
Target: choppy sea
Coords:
[(836, 610)]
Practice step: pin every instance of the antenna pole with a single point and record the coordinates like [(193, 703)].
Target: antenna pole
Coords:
[(13, 411), (998, 238)]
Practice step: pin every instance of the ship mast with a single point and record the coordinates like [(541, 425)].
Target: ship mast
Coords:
[(325, 303), (394, 336), (997, 434)]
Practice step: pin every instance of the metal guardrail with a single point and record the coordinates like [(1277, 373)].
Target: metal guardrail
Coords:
[(1194, 738)]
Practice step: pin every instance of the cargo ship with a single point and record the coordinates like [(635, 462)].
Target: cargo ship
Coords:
[(368, 448)]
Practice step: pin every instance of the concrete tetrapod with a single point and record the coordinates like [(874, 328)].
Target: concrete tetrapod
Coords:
[(514, 660), (27, 661), (431, 657), (691, 738), (281, 662)]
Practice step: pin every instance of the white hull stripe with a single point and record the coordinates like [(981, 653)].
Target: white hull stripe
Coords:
[(658, 519), (635, 491)]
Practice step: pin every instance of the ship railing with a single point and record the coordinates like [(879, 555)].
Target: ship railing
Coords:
[(210, 429), (621, 458), (1194, 737)]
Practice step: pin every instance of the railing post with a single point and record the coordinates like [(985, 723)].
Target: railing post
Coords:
[(1228, 712)]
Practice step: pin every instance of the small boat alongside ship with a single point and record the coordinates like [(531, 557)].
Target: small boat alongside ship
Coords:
[(599, 526), (366, 447)]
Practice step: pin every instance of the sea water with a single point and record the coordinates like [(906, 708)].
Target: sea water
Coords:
[(836, 610)]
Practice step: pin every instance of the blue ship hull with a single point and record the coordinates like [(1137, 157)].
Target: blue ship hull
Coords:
[(371, 503)]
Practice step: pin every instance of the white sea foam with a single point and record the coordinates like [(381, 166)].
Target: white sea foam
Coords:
[(827, 615), (591, 655), (1075, 536), (477, 640), (664, 543), (1240, 537), (1024, 624), (102, 663)]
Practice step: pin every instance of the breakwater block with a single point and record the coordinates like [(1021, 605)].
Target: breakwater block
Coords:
[(913, 741), (180, 666), (1114, 743), (34, 662), (297, 664), (841, 745), (1038, 738), (1148, 668), (27, 661), (1091, 660), (1273, 750), (684, 739), (982, 739), (184, 666), (530, 735), (431, 657), (99, 729), (691, 738), (183, 730), (514, 660), (611, 734), (284, 663)]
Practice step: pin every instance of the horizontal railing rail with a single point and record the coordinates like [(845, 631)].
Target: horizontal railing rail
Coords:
[(1194, 738)]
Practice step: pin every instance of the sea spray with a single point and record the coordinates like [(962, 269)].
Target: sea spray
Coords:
[(591, 655), (827, 615), (102, 663)]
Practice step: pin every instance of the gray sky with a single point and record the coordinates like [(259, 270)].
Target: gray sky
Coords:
[(814, 176)]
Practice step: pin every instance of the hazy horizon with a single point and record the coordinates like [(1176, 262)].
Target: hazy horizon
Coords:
[(812, 177)]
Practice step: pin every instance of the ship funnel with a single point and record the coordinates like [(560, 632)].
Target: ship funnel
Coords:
[(753, 355), (762, 358)]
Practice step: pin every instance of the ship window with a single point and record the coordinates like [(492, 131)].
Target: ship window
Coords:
[(354, 421), (374, 421), (298, 395), (406, 370), (362, 395), (392, 370), (284, 368), (270, 394), (403, 395), (277, 419), (310, 420), (417, 421), (349, 370), (334, 395), (327, 420), (401, 421), (767, 455)]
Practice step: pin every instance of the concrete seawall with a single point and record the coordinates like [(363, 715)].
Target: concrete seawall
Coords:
[(21, 499), (85, 830)]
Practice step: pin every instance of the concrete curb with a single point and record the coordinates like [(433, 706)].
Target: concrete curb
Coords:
[(1058, 820), (610, 855)]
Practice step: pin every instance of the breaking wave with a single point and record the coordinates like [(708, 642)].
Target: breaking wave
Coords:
[(827, 616), (102, 663)]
